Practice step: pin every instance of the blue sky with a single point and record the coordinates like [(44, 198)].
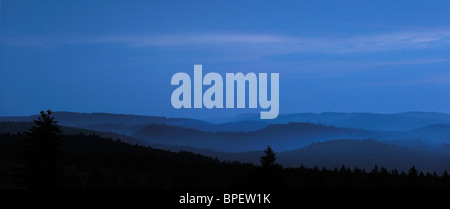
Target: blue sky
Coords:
[(119, 56)]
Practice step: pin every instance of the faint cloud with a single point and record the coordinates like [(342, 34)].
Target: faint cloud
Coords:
[(190, 39), (279, 44), (443, 79), (263, 44), (395, 41)]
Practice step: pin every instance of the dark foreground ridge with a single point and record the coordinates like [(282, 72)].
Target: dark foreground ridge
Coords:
[(90, 161)]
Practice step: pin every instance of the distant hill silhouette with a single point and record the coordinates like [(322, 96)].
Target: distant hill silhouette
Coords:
[(21, 127), (279, 136), (288, 136), (439, 133), (364, 154), (128, 124), (369, 121), (83, 119)]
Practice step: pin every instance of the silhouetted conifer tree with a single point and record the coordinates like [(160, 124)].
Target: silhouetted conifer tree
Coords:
[(412, 171), (268, 160), (375, 170), (41, 152)]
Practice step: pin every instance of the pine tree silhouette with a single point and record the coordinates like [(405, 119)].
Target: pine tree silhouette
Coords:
[(41, 152), (413, 171), (268, 160)]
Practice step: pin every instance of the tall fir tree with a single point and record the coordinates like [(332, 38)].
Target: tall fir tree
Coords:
[(268, 160), (41, 152)]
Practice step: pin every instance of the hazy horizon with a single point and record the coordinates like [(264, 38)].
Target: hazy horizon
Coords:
[(206, 118)]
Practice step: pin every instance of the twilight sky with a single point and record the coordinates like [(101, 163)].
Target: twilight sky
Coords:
[(119, 56)]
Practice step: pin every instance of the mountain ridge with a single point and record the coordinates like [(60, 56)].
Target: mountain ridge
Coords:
[(248, 122)]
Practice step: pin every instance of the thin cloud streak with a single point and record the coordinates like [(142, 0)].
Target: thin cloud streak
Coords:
[(262, 44), (190, 39), (442, 80), (292, 44)]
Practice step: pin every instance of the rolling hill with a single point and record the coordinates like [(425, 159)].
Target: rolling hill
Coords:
[(279, 136), (364, 154), (369, 121), (128, 124)]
